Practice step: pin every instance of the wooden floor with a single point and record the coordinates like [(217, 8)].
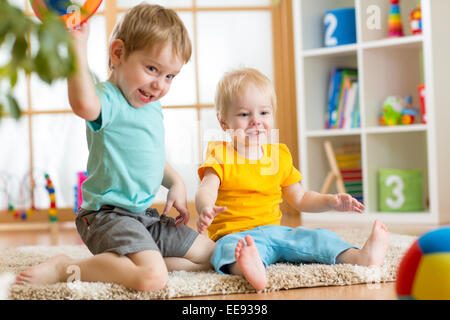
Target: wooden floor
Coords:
[(383, 291)]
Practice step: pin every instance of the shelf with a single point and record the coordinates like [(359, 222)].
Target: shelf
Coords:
[(401, 42), (404, 42), (332, 51), (333, 132), (386, 67), (394, 129), (391, 67), (369, 130)]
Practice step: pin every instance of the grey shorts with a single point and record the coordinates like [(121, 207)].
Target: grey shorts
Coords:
[(113, 229)]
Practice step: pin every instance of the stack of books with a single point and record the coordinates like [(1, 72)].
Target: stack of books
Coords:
[(343, 100)]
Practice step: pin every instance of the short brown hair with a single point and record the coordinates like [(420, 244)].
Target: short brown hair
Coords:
[(147, 25), (235, 82)]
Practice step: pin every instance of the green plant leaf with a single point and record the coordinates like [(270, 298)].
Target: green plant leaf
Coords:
[(13, 77), (19, 50), (13, 107), (53, 58)]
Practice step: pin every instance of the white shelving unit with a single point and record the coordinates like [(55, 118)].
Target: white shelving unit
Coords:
[(386, 66)]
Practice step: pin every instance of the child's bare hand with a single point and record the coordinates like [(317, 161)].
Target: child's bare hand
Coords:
[(80, 34), (207, 216), (177, 198), (344, 202)]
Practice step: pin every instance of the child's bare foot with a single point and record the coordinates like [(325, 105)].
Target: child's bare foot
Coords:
[(250, 263), (374, 250), (48, 272)]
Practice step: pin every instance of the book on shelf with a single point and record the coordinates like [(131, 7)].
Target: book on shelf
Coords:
[(342, 110)]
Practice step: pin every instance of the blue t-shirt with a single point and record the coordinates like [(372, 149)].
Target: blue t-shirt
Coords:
[(126, 153)]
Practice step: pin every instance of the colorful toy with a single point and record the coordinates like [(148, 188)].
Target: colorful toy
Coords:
[(52, 211), (72, 13), (339, 27), (345, 168), (82, 176), (25, 214), (408, 113), (397, 111), (415, 20), (392, 108), (424, 271), (395, 20), (423, 109)]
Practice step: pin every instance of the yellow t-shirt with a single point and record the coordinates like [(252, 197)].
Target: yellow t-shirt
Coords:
[(250, 189)]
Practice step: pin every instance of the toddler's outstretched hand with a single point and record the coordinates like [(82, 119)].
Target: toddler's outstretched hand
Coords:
[(207, 216), (345, 202)]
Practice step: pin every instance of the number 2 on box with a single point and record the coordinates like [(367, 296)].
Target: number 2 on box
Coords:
[(333, 23)]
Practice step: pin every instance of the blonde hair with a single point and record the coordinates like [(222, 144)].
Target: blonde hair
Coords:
[(236, 82), (146, 25)]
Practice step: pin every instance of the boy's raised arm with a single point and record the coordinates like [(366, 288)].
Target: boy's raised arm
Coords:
[(83, 98)]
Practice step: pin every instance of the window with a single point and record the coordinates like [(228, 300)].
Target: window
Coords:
[(226, 34)]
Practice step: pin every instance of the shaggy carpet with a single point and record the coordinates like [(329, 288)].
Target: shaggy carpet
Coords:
[(281, 276)]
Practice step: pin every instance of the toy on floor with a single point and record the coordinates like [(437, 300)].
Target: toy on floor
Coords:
[(24, 214), (395, 20), (415, 20), (23, 190), (397, 111), (72, 13), (52, 211), (424, 271)]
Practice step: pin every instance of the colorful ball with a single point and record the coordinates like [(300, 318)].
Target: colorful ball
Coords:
[(72, 13), (424, 271)]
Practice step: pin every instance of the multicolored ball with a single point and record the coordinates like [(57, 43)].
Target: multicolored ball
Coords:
[(424, 271), (73, 13)]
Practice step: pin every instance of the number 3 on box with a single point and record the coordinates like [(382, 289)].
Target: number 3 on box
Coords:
[(397, 191)]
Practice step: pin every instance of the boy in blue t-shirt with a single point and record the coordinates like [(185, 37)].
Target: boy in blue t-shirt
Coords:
[(132, 244)]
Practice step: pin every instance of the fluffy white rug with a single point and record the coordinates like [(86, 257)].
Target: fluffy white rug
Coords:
[(183, 284)]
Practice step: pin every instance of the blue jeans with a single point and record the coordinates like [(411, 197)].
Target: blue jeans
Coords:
[(282, 244)]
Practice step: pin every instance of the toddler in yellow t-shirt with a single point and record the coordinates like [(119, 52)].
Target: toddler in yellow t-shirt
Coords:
[(242, 184)]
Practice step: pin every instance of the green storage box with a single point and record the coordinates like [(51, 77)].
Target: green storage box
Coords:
[(400, 190)]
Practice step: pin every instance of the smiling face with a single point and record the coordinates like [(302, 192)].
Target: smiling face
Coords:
[(144, 75), (250, 117)]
